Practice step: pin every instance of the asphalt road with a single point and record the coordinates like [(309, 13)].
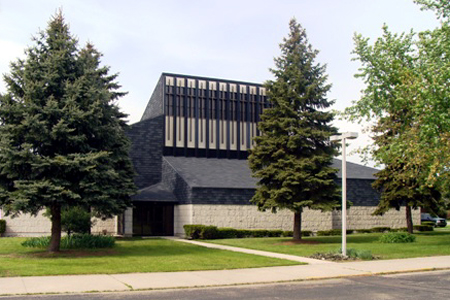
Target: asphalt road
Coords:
[(426, 285)]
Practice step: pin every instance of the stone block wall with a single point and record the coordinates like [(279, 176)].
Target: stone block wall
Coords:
[(248, 217), (28, 225), (359, 217), (182, 216), (108, 226)]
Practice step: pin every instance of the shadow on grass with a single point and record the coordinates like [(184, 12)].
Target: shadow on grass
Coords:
[(134, 247)]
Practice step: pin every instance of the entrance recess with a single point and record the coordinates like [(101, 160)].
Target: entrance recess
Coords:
[(153, 219)]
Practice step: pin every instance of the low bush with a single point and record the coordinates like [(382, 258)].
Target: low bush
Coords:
[(275, 233), (364, 231), (333, 232), (260, 233), (397, 237), (428, 223), (352, 254), (402, 229), (423, 228), (2, 227), (227, 233), (74, 241), (209, 233), (359, 254), (307, 233), (192, 231), (381, 229), (288, 233)]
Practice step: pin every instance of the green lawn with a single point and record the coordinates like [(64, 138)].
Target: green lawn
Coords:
[(132, 255), (427, 244)]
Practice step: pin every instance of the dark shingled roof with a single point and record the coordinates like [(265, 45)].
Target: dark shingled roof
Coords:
[(234, 173), (355, 171), (156, 192)]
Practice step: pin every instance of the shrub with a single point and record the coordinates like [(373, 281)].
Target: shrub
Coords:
[(402, 229), (333, 232), (361, 254), (2, 227), (275, 233), (288, 233), (428, 223), (381, 229), (193, 231), (397, 237), (307, 233), (75, 241), (364, 230), (423, 228), (227, 233), (244, 233), (37, 242), (209, 233), (76, 220), (260, 233)]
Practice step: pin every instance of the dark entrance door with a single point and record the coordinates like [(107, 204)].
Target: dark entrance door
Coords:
[(152, 219)]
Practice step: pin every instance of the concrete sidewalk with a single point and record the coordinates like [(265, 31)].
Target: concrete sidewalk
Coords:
[(146, 281)]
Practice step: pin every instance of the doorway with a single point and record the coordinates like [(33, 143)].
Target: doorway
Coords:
[(153, 219)]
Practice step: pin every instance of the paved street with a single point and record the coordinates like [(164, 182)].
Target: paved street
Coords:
[(414, 286)]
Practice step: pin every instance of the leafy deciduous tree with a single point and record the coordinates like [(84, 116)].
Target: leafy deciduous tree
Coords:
[(407, 95)]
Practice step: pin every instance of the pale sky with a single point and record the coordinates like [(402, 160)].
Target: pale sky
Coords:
[(227, 39)]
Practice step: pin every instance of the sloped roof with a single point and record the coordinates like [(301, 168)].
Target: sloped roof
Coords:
[(157, 192), (234, 173)]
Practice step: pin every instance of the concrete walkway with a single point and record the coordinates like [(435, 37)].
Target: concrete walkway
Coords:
[(316, 269)]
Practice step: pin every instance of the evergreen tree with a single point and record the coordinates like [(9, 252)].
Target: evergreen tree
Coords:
[(292, 157), (62, 139)]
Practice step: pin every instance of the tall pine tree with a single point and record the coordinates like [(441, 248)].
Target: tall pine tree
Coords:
[(292, 157), (62, 139)]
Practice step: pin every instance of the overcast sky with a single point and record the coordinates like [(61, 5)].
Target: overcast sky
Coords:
[(226, 39)]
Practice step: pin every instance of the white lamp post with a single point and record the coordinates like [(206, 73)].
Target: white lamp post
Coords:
[(342, 138)]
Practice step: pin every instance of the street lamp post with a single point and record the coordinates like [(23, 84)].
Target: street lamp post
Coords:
[(342, 138)]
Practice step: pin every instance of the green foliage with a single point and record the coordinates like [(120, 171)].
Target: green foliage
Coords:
[(380, 229), (2, 226), (363, 230), (75, 241), (62, 139), (76, 220), (406, 94), (402, 229), (423, 227), (292, 157), (192, 231), (289, 233), (428, 223), (397, 237), (37, 242), (208, 233), (227, 233), (333, 232), (359, 254), (212, 232)]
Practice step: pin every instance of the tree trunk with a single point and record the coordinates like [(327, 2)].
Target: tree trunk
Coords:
[(55, 240), (298, 225), (409, 223)]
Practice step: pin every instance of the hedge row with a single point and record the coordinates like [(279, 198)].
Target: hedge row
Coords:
[(2, 227), (204, 232)]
